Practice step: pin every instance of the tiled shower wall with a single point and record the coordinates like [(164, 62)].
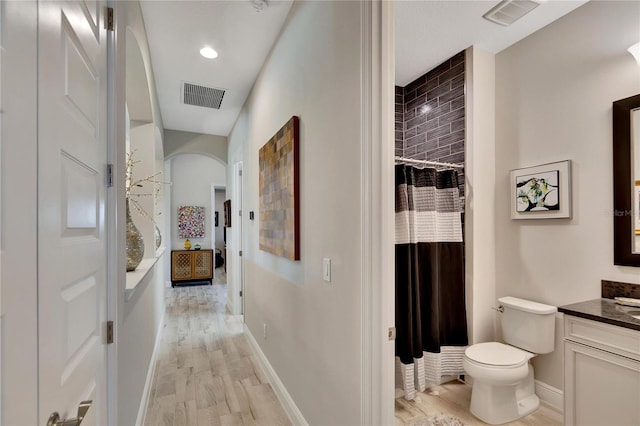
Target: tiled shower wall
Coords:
[(430, 115)]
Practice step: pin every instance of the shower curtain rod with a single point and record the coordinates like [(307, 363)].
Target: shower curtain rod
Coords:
[(432, 163)]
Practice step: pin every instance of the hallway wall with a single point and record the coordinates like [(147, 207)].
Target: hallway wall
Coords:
[(314, 330), (191, 178)]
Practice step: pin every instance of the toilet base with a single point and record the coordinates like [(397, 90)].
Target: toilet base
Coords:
[(503, 404)]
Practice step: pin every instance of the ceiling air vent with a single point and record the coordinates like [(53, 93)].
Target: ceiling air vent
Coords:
[(209, 97), (509, 11)]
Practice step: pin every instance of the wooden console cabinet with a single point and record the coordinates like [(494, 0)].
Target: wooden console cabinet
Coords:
[(191, 265)]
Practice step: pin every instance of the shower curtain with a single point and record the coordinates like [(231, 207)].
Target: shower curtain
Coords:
[(431, 324)]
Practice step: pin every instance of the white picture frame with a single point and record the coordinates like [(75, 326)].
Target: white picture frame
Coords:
[(541, 192)]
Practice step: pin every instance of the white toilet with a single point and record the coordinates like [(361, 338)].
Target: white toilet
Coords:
[(503, 388)]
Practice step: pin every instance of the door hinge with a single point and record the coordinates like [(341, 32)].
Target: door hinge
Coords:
[(109, 175), (108, 19), (239, 172), (240, 293), (239, 212), (391, 333), (109, 332), (240, 252)]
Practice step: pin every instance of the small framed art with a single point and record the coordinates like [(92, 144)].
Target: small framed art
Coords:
[(541, 192)]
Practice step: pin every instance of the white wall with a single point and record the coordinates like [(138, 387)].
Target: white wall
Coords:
[(314, 328), (138, 319), (554, 91), (480, 270), (191, 178), (181, 142)]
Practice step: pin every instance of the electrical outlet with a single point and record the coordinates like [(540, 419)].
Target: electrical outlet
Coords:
[(326, 269), (264, 330)]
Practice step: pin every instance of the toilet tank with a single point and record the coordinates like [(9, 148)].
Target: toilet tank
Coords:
[(528, 325)]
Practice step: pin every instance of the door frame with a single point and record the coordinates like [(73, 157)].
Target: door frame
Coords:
[(238, 238), (115, 203), (377, 201)]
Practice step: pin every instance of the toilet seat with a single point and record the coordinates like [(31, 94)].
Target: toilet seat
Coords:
[(497, 355)]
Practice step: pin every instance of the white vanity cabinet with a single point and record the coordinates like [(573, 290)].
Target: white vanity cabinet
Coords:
[(601, 373)]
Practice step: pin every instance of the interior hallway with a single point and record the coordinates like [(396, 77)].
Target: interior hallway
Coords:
[(206, 373)]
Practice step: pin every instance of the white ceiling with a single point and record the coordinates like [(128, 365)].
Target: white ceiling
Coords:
[(242, 37), (428, 32)]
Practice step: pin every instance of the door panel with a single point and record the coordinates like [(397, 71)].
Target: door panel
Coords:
[(72, 152)]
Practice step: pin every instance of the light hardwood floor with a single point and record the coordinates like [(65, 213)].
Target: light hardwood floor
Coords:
[(206, 373), (453, 398)]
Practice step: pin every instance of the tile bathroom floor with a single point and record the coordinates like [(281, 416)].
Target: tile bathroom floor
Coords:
[(206, 373), (453, 399)]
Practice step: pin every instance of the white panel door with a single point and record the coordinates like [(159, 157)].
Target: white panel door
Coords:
[(72, 148)]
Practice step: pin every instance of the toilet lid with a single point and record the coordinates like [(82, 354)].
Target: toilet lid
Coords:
[(496, 354)]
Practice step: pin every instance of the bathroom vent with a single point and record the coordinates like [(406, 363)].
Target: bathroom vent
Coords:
[(209, 97), (509, 11)]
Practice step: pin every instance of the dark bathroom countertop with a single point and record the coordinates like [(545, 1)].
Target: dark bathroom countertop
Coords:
[(604, 310)]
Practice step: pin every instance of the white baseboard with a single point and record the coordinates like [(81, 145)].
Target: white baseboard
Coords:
[(285, 399), (144, 402), (551, 396)]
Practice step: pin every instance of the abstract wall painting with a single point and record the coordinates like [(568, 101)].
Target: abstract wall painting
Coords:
[(279, 193), (541, 192), (190, 222)]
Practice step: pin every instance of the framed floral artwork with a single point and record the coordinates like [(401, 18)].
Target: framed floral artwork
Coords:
[(541, 192)]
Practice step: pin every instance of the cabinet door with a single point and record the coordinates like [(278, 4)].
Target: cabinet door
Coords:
[(181, 266), (601, 388), (202, 264)]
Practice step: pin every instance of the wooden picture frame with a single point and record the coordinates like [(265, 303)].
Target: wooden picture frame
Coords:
[(279, 187)]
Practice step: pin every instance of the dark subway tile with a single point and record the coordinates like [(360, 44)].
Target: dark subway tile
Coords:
[(399, 99), (457, 125), (415, 121), (450, 117), (458, 80), (429, 125), (434, 73), (438, 91), (398, 152), (451, 73), (457, 103), (408, 97), (427, 146), (399, 90), (457, 158), (451, 138), (416, 140), (428, 86), (415, 83), (399, 137), (437, 112), (415, 103), (409, 114), (457, 147), (439, 153), (457, 58), (411, 132), (409, 152), (399, 116), (438, 132), (451, 95), (399, 126)]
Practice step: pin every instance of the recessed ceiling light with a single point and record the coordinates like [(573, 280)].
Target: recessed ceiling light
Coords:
[(208, 52)]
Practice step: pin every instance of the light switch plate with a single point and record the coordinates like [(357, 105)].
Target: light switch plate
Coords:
[(326, 269)]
